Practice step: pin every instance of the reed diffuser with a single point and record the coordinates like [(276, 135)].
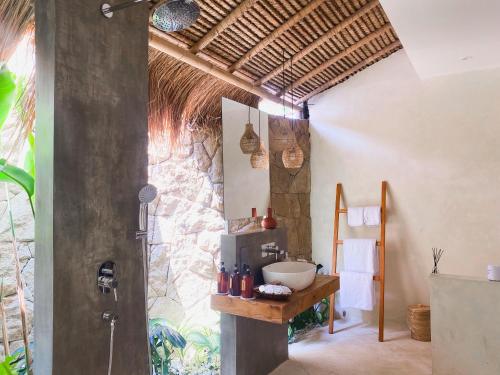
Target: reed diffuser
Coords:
[(436, 254)]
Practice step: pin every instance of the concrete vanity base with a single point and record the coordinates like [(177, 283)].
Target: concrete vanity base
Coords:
[(465, 321), (251, 347)]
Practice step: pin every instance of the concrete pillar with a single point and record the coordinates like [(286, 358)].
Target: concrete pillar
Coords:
[(92, 92)]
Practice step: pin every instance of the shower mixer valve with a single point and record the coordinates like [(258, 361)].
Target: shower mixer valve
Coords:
[(106, 279)]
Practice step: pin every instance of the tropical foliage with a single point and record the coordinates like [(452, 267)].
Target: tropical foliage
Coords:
[(9, 92), (163, 340), (183, 351)]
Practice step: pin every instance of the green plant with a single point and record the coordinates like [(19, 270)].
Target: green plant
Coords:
[(8, 92), (12, 174), (6, 366), (163, 340), (315, 316), (206, 342), (14, 364)]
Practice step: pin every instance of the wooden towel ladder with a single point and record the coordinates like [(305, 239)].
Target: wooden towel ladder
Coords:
[(381, 245)]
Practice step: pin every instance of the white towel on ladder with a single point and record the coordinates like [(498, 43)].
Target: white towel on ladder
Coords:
[(357, 290), (355, 216), (360, 255), (371, 215)]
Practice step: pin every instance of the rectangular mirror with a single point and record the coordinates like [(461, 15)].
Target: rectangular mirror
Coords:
[(245, 187)]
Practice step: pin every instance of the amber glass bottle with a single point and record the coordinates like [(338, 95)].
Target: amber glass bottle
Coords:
[(234, 282), (222, 280), (247, 284)]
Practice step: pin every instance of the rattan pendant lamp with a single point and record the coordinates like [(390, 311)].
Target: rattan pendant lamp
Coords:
[(260, 158), (293, 156), (250, 141)]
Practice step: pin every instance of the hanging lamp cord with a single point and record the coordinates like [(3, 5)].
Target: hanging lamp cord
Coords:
[(283, 81), (291, 79)]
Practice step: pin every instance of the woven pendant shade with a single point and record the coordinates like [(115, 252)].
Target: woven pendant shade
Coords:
[(260, 158), (293, 157), (249, 141)]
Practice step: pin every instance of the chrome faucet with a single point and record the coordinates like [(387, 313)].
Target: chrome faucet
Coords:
[(270, 249)]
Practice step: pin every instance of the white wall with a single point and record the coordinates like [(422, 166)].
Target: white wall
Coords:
[(437, 143), (244, 186)]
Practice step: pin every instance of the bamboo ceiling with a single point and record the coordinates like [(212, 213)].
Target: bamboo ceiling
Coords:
[(243, 41)]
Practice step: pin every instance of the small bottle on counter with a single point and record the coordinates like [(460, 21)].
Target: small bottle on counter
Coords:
[(234, 282), (247, 284), (222, 280)]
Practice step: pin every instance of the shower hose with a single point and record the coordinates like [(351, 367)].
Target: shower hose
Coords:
[(111, 344)]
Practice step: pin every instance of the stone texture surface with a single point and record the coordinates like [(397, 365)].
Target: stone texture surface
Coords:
[(186, 221), (291, 188), (24, 224)]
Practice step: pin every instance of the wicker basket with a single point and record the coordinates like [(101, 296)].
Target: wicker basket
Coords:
[(419, 322)]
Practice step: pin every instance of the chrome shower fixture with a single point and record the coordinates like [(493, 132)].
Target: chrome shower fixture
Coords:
[(168, 16), (146, 195), (175, 15)]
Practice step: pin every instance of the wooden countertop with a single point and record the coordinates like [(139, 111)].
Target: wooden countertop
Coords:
[(278, 312)]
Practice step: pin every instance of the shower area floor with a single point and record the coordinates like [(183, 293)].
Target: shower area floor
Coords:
[(354, 350)]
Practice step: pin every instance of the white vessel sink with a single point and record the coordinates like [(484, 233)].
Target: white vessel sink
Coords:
[(295, 275)]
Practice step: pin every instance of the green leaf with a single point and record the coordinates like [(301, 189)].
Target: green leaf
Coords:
[(6, 366), (29, 158), (13, 174), (7, 93)]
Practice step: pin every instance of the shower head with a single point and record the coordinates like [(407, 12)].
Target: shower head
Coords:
[(175, 15), (147, 194), (168, 16)]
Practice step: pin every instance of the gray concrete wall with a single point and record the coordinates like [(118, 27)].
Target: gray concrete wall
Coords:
[(91, 162)]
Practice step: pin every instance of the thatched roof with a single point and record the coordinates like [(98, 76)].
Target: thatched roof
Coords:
[(242, 42), (181, 96), (326, 40)]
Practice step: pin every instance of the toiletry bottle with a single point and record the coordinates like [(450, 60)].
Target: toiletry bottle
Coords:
[(234, 282), (222, 280), (247, 284)]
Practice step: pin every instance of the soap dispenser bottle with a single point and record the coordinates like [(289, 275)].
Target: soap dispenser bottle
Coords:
[(234, 282), (222, 280), (247, 284)]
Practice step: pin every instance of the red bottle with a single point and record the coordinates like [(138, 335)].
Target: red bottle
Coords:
[(222, 280), (234, 283), (268, 222), (247, 284)]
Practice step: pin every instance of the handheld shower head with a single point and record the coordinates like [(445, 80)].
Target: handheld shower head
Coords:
[(147, 194)]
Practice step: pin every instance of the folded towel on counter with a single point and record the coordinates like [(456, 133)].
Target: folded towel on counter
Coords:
[(360, 255), (355, 216), (371, 215), (357, 290)]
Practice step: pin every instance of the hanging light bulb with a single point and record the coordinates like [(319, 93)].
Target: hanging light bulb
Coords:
[(293, 156), (260, 158), (249, 141)]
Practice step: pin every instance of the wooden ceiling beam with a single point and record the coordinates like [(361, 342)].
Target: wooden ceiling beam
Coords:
[(368, 39), (159, 42), (318, 42), (297, 17), (223, 25), (390, 48)]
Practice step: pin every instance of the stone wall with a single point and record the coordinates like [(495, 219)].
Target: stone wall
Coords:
[(186, 221), (291, 188)]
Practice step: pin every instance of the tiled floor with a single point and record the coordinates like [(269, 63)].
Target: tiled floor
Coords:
[(355, 350)]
